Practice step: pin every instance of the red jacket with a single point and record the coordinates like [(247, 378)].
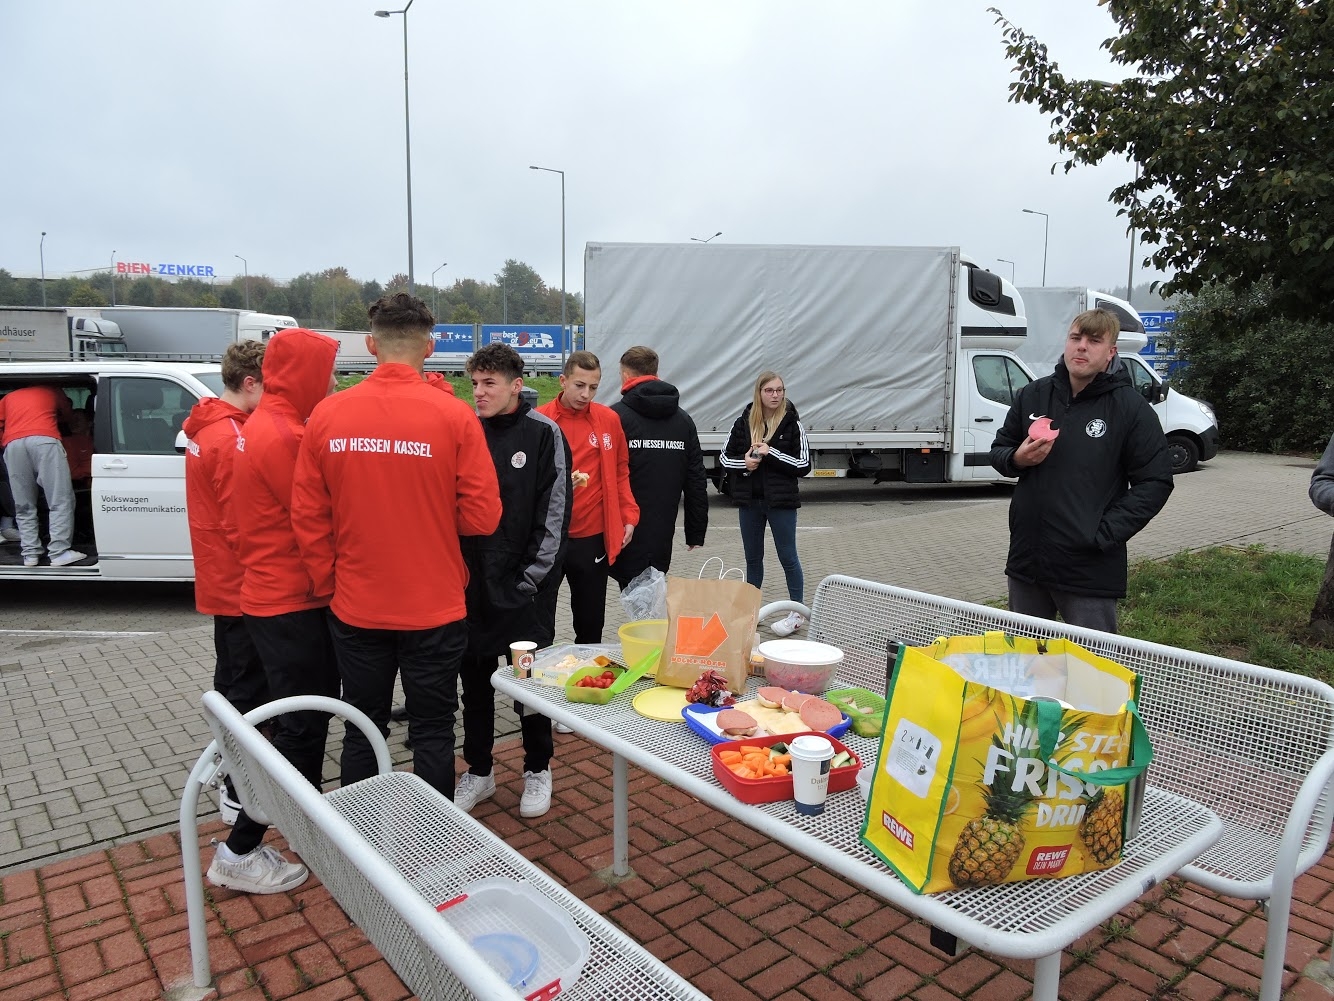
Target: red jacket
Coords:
[(213, 429), (391, 473), (31, 411), (597, 430), (297, 366)]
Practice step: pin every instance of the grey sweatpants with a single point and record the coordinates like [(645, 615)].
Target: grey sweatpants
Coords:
[(1076, 609), (39, 461)]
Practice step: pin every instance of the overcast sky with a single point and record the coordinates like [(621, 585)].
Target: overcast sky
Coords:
[(184, 131)]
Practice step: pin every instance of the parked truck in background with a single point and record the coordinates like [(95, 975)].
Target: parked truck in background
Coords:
[(898, 359), (171, 334), (41, 333), (1190, 425)]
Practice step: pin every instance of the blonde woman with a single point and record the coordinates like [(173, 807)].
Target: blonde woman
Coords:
[(766, 453)]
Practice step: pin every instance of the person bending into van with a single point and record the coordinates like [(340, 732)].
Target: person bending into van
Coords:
[(212, 431), (665, 463), (30, 419), (766, 455), (284, 612), (1084, 493), (392, 471), (604, 515), (513, 573)]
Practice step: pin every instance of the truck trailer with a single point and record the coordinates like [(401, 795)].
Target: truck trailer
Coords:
[(898, 359), (41, 333), (171, 334), (1190, 425)]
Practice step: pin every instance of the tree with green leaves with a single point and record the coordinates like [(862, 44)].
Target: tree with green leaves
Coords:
[(1227, 112)]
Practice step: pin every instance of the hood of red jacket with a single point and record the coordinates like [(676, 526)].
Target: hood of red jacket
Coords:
[(208, 411), (297, 364)]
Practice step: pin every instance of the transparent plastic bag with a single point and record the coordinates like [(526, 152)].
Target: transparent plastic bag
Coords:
[(645, 597)]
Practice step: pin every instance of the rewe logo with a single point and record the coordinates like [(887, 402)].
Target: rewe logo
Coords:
[(697, 638)]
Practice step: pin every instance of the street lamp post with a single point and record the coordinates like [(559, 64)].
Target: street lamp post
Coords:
[(407, 131), (1045, 221), (41, 252), (113, 278), (1011, 264), (435, 303), (698, 240), (246, 265), (552, 170)]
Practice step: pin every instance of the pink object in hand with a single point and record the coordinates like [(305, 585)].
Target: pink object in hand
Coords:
[(1041, 429)]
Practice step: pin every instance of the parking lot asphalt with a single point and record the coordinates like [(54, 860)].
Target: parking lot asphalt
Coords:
[(100, 686)]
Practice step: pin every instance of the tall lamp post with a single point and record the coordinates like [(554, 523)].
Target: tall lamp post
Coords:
[(1011, 264), (407, 131), (113, 278), (434, 301), (1045, 220), (246, 266), (41, 253), (552, 170), (698, 240)]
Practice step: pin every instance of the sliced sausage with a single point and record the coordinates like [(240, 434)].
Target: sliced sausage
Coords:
[(793, 701), (772, 698), (734, 721), (820, 715)]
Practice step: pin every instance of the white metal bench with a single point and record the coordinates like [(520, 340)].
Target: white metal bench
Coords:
[(389, 849), (1254, 745)]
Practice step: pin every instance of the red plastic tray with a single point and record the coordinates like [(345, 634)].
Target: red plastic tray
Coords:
[(776, 789)]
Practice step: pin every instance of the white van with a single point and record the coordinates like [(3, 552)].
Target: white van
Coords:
[(130, 512)]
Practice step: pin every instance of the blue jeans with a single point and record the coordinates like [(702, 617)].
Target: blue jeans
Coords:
[(783, 522)]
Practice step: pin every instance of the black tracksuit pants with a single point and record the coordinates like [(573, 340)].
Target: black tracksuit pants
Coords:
[(479, 721), (586, 571)]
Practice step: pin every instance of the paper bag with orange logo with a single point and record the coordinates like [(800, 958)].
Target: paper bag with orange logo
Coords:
[(710, 625)]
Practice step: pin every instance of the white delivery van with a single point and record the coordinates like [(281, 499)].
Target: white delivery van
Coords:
[(130, 510), (1190, 425)]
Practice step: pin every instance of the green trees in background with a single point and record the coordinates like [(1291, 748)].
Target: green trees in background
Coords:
[(328, 300)]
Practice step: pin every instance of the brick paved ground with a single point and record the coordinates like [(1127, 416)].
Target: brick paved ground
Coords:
[(96, 741)]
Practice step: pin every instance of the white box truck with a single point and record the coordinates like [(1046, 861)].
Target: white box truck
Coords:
[(897, 358), (1190, 425), (168, 333), (41, 333)]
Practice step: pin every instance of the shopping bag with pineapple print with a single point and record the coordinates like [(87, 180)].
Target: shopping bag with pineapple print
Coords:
[(1004, 758)]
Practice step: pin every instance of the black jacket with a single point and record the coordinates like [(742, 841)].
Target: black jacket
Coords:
[(665, 462), (775, 479), (514, 573), (1107, 475)]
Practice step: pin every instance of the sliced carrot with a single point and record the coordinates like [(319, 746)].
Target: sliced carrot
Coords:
[(730, 755)]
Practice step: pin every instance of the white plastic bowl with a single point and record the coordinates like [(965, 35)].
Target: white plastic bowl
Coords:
[(800, 665)]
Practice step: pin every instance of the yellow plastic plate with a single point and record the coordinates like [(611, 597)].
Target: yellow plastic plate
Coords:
[(661, 703)]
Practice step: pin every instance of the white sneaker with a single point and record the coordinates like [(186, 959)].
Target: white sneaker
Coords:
[(31, 561), (789, 624), (228, 808), (67, 557), (562, 728), (536, 799), (262, 871), (472, 789)]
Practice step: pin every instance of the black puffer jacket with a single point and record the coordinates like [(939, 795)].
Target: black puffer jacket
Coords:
[(514, 573), (1107, 475), (665, 463), (775, 479)]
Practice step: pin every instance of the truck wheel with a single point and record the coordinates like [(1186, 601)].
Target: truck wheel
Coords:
[(1184, 452)]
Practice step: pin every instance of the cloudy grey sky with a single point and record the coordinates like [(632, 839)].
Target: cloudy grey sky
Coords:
[(177, 130)]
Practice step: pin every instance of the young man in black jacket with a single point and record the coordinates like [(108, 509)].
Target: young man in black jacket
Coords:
[(1086, 491), (665, 463), (513, 574)]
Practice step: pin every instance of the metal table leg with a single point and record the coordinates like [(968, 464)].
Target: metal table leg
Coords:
[(620, 816), (1047, 977)]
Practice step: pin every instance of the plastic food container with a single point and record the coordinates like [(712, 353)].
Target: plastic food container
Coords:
[(601, 696), (526, 937), (548, 670), (776, 789), (800, 665), (864, 778), (641, 638)]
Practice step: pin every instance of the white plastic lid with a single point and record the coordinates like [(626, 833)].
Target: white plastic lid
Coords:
[(811, 747), (807, 653)]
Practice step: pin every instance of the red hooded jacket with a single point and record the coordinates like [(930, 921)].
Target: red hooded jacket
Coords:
[(213, 429), (391, 472), (597, 442), (297, 366)]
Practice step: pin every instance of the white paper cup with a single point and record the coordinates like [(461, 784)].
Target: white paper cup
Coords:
[(810, 772), (521, 658)]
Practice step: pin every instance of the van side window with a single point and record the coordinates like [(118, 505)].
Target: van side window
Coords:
[(147, 414), (998, 378), (1139, 375)]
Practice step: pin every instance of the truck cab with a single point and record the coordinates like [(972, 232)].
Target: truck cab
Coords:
[(129, 473)]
